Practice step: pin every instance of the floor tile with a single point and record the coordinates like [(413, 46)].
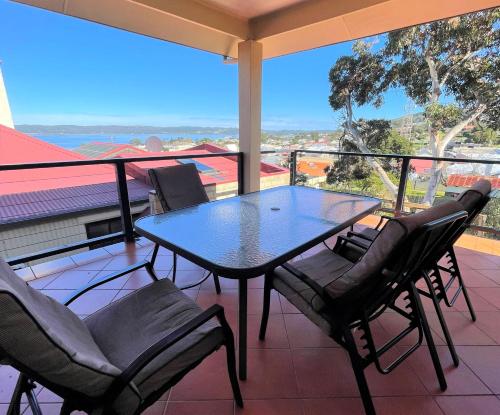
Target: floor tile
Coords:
[(158, 408), (407, 406), (303, 333), (461, 380), (492, 295), (469, 405), (484, 362), (51, 267), (25, 273), (92, 255), (271, 407), (492, 274), (463, 330), (71, 279), (120, 262), (8, 379), (489, 323), (270, 375), (209, 380), (200, 408), (92, 301), (276, 334), (324, 373), (333, 406)]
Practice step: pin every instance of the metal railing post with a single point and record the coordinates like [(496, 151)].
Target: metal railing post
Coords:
[(293, 167), (240, 172), (124, 202), (402, 184)]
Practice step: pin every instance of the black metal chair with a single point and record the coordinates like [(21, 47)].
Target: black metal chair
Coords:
[(179, 187), (340, 296), (119, 360), (473, 201)]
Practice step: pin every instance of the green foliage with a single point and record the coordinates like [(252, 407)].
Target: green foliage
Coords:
[(359, 78), (442, 116)]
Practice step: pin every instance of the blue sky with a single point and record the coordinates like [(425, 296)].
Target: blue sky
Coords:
[(61, 70)]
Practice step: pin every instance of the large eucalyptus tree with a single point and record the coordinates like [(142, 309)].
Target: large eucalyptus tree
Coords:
[(451, 68)]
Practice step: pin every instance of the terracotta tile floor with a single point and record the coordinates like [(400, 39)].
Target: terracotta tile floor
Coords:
[(298, 370)]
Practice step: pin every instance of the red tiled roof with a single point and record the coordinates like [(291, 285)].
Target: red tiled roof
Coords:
[(34, 193), (18, 148), (102, 150), (461, 180), (421, 166)]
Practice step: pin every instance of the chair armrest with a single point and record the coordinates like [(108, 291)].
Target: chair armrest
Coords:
[(347, 240), (318, 289), (160, 346), (75, 294), (359, 235)]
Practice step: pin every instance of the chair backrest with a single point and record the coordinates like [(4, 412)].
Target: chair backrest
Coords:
[(178, 187), (475, 199), (47, 341), (394, 256)]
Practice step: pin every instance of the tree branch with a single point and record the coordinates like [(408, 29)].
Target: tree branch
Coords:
[(447, 74), (462, 124)]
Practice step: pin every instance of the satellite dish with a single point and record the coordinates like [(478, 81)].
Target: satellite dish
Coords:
[(154, 144)]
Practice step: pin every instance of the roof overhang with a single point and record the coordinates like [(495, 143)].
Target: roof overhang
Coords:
[(283, 27)]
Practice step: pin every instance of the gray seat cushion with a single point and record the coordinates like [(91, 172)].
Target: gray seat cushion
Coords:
[(48, 338), (324, 268), (129, 326)]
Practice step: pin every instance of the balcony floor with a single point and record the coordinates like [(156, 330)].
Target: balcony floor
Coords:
[(298, 370)]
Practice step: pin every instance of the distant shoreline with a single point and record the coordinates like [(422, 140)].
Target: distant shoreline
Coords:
[(142, 130)]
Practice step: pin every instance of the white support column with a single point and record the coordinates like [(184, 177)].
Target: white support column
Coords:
[(5, 114), (250, 103)]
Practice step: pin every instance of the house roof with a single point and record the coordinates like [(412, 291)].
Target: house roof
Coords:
[(105, 150), (460, 180), (281, 26), (41, 193), (421, 166), (213, 170), (35, 193)]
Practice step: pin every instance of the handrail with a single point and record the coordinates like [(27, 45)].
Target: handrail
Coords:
[(124, 202), (73, 163), (122, 189), (405, 168)]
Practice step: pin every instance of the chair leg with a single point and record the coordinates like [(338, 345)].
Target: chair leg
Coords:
[(428, 336), (15, 402), (217, 283), (442, 321), (266, 306), (454, 263), (174, 267), (231, 359), (359, 373)]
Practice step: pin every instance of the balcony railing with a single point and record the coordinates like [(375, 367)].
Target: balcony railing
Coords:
[(127, 232), (404, 172)]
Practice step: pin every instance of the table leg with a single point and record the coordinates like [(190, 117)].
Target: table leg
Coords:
[(242, 340)]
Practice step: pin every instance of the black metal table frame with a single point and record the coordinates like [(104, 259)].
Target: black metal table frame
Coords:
[(243, 275)]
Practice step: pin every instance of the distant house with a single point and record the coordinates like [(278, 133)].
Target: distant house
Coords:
[(106, 150), (43, 208), (456, 183)]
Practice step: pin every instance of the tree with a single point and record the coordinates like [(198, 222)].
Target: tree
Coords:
[(359, 79), (452, 69)]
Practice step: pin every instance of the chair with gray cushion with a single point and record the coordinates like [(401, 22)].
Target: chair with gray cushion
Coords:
[(179, 187), (473, 201), (342, 297), (119, 360)]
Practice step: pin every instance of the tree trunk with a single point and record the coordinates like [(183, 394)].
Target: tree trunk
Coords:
[(438, 146), (358, 142)]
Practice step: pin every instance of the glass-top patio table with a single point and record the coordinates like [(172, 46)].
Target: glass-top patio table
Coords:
[(250, 235)]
